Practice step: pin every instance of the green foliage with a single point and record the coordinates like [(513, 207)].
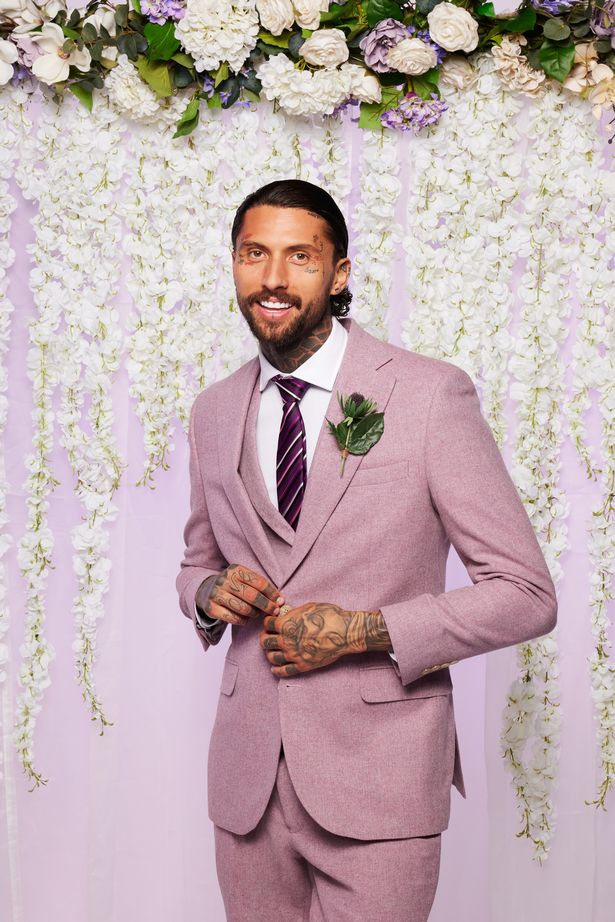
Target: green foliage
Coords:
[(556, 29), (377, 10), (370, 112), (157, 75), (83, 95), (189, 118), (162, 44), (556, 60)]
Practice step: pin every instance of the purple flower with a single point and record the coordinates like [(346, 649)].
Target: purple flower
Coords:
[(555, 7), (344, 105), (208, 85), (602, 21), (159, 11), (375, 45), (413, 113)]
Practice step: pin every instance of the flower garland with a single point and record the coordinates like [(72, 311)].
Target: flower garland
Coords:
[(462, 241), (593, 367), (312, 56), (86, 349), (532, 709), (375, 233), (15, 125), (36, 545)]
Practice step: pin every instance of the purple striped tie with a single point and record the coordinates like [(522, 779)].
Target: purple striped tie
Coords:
[(291, 469)]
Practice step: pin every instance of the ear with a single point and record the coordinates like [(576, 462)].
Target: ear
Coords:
[(342, 274)]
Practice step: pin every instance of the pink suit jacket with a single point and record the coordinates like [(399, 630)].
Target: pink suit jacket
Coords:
[(371, 749)]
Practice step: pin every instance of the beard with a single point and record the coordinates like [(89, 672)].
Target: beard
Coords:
[(295, 328)]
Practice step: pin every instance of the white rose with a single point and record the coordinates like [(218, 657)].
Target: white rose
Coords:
[(8, 56), (452, 27), (307, 13), (325, 47), (276, 15), (412, 56), (363, 85), (457, 72)]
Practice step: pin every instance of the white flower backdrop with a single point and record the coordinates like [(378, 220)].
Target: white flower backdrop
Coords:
[(487, 240)]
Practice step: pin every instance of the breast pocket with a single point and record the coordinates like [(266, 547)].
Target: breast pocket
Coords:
[(382, 473)]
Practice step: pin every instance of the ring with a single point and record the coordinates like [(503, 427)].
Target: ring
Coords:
[(284, 609)]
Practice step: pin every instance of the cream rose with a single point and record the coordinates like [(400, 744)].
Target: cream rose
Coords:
[(276, 15), (325, 47), (307, 12), (452, 27), (363, 85), (412, 56), (457, 72)]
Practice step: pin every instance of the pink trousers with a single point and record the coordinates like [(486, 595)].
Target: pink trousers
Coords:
[(290, 868)]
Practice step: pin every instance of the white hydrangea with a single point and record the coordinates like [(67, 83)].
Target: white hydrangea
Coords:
[(131, 96), (300, 92), (214, 32), (128, 93), (364, 86)]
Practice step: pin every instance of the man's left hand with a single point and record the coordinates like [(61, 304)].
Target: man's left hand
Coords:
[(310, 636)]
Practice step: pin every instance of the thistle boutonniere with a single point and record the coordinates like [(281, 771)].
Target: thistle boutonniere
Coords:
[(361, 427)]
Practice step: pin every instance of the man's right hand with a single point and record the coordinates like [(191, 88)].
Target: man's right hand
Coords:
[(237, 595)]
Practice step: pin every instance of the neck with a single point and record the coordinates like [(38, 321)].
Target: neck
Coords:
[(288, 360)]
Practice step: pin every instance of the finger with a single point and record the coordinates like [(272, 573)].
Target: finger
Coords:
[(277, 657), (269, 641), (230, 601), (285, 671), (219, 611), (255, 589), (269, 623)]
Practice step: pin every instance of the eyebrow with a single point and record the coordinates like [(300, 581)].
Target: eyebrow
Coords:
[(294, 246)]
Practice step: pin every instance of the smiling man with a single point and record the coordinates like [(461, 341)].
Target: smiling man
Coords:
[(334, 746)]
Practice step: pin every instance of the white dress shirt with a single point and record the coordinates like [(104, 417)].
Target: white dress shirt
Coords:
[(320, 371)]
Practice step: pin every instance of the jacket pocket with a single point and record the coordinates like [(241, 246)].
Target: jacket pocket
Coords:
[(381, 683), (383, 473), (229, 676)]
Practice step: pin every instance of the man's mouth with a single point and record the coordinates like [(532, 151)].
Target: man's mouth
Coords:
[(274, 308)]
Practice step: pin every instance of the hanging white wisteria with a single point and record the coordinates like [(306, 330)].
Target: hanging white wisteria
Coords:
[(375, 233), (15, 122), (593, 368), (76, 344)]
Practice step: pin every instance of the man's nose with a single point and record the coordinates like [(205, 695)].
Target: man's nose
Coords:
[(275, 275)]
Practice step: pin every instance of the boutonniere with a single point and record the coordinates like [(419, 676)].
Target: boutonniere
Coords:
[(361, 427)]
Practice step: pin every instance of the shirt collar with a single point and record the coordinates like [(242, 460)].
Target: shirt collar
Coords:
[(320, 368)]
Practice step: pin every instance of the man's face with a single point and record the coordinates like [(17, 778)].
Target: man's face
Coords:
[(283, 257)]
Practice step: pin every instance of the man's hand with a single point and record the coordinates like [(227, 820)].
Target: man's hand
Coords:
[(316, 634), (238, 595)]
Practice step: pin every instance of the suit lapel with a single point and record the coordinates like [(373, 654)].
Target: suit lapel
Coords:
[(365, 368)]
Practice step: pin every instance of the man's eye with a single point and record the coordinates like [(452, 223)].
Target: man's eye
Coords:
[(302, 254), (250, 252)]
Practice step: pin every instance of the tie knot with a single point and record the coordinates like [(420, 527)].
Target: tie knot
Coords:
[(290, 388)]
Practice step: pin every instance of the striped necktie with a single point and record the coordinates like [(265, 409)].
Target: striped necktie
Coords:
[(291, 468)]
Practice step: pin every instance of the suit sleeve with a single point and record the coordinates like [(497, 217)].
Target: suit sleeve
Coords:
[(202, 556), (512, 598)]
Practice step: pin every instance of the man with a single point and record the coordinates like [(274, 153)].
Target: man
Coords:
[(334, 746)]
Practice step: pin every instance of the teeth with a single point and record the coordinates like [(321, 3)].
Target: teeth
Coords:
[(274, 305)]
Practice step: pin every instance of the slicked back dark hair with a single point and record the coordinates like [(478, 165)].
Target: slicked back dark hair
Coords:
[(298, 193)]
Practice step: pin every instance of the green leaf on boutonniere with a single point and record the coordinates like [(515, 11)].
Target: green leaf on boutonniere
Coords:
[(280, 41), (189, 118), (361, 427), (221, 74)]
